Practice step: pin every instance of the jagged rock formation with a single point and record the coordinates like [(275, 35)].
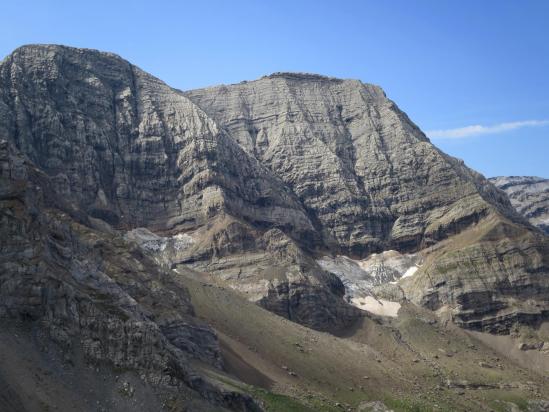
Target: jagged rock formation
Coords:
[(261, 177), (529, 195)]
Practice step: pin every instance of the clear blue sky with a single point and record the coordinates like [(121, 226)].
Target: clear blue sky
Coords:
[(448, 64)]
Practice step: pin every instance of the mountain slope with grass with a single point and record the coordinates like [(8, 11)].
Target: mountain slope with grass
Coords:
[(289, 243)]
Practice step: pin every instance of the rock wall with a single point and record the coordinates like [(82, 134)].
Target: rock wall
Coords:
[(367, 176), (529, 195), (95, 295), (264, 177)]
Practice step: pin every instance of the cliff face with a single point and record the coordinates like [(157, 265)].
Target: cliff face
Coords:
[(371, 180), (529, 195), (99, 299), (129, 149), (248, 184), (132, 152), (367, 176)]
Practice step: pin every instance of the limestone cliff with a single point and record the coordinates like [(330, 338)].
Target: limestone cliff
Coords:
[(99, 299), (529, 195), (261, 178), (132, 152), (368, 177)]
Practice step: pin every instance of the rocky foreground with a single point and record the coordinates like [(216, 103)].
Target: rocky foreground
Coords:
[(132, 212)]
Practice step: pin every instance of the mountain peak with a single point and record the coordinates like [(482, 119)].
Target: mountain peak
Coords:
[(302, 76), (132, 212), (40, 51)]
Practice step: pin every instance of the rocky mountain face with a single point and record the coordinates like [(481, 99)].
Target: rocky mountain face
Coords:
[(117, 189), (370, 181), (260, 175), (98, 298), (132, 152), (529, 195), (367, 176)]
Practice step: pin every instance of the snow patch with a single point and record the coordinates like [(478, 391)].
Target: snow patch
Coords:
[(410, 272), (360, 276), (155, 243), (377, 269), (182, 241), (379, 307)]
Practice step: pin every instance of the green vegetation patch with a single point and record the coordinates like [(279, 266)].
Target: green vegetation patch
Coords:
[(275, 402)]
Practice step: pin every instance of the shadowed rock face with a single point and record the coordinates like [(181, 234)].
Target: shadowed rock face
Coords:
[(98, 298), (129, 149), (259, 178), (529, 195), (132, 152)]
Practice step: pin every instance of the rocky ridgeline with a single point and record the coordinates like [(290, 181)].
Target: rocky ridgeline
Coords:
[(529, 195), (251, 182)]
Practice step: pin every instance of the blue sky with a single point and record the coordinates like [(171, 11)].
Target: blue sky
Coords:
[(448, 64)]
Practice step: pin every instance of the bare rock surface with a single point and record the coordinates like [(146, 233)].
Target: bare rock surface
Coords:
[(100, 301), (371, 181), (368, 177), (251, 183), (128, 150), (115, 188), (529, 195)]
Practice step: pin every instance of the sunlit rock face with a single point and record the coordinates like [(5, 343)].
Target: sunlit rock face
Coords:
[(529, 195), (251, 184), (368, 177), (371, 181)]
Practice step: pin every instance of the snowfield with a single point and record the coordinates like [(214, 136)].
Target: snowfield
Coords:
[(360, 276), (379, 307)]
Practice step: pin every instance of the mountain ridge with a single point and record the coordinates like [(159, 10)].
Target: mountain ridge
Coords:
[(529, 195), (119, 191)]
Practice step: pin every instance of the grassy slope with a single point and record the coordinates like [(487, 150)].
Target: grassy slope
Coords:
[(407, 361)]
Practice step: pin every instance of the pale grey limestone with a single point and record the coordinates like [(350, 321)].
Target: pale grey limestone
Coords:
[(529, 195)]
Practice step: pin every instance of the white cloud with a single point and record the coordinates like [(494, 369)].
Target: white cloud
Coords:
[(477, 129)]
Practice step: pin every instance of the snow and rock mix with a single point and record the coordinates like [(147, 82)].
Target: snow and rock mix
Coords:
[(360, 276)]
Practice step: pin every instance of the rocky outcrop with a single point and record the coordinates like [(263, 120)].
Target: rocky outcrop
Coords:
[(370, 180), (529, 195), (127, 148), (489, 277), (268, 267), (95, 295)]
